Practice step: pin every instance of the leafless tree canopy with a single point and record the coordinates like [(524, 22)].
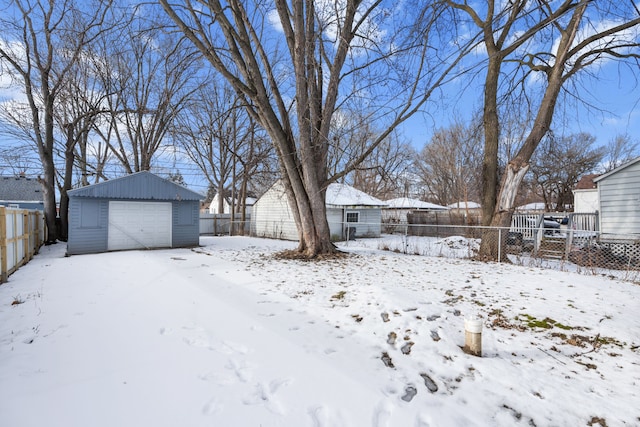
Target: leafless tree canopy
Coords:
[(295, 64), (533, 51), (108, 87), (450, 165), (558, 165), (41, 43)]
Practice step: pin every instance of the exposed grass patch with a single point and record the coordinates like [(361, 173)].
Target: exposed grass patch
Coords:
[(546, 323), (339, 296)]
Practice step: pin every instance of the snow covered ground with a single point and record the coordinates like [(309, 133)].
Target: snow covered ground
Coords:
[(226, 335)]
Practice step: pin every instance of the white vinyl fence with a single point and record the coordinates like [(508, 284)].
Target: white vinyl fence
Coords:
[(22, 232)]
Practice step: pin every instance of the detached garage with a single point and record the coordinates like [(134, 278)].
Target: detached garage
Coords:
[(138, 211)]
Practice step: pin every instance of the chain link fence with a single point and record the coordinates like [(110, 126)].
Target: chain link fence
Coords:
[(562, 243)]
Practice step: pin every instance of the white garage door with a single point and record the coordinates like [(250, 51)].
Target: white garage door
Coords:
[(138, 225)]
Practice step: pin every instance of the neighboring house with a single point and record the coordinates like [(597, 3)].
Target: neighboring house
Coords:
[(397, 209), (619, 200), (136, 211), (348, 211), (531, 207), (465, 213), (585, 195), (21, 192), (213, 206), (465, 205)]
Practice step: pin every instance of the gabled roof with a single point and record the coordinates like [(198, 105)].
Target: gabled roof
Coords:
[(339, 195), (20, 189), (138, 186), (408, 203), (464, 205), (616, 170), (587, 182)]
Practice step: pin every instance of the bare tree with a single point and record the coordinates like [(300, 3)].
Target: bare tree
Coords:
[(40, 44), (450, 165), (17, 159), (149, 74), (541, 45), (559, 163), (384, 173), (79, 107), (218, 135), (620, 150), (293, 92)]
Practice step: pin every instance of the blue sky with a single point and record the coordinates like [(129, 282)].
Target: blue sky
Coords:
[(615, 92)]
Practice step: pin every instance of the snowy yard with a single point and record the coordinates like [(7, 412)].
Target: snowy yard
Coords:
[(226, 335)]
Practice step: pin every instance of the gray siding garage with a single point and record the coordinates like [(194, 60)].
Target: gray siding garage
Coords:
[(138, 211)]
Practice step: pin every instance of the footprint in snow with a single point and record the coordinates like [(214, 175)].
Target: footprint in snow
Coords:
[(212, 407), (409, 393), (319, 415), (242, 371), (406, 348), (382, 414), (386, 359), (264, 394), (429, 383), (230, 347), (391, 338)]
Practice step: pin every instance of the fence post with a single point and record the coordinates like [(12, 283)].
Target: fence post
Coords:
[(499, 244), (3, 245), (25, 236)]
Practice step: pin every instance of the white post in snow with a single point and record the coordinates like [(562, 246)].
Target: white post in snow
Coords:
[(473, 337)]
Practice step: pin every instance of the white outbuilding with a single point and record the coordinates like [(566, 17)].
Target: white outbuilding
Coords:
[(351, 213)]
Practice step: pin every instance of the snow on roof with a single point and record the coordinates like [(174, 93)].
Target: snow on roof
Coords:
[(461, 205), (537, 206), (345, 195), (408, 203)]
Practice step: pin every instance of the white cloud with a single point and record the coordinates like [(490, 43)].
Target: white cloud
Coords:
[(330, 14)]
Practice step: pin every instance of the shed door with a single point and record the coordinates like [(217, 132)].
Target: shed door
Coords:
[(138, 225)]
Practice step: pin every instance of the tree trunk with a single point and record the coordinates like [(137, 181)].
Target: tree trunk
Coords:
[(49, 196), (63, 232), (491, 141), (517, 168), (46, 157), (495, 238)]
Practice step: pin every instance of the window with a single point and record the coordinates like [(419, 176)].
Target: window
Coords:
[(185, 214), (89, 214), (353, 216)]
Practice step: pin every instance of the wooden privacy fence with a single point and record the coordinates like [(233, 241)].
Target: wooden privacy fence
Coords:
[(22, 233)]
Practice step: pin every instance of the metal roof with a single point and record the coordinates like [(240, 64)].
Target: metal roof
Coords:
[(138, 186), (20, 189)]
